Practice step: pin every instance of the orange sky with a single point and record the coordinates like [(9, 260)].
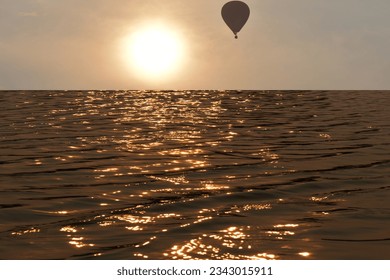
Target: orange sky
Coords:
[(301, 44)]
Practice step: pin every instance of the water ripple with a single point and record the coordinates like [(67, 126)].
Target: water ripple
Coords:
[(194, 174)]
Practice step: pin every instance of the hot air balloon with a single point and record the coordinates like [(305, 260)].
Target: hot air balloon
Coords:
[(235, 14)]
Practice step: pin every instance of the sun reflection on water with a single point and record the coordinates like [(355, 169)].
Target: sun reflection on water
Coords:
[(27, 231), (304, 254), (135, 219), (78, 242), (68, 229), (222, 245), (152, 150)]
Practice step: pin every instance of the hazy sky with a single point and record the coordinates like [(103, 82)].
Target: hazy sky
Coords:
[(286, 44)]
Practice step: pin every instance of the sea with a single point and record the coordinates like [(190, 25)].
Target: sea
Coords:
[(198, 174)]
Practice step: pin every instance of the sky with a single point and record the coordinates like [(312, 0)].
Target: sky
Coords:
[(286, 44)]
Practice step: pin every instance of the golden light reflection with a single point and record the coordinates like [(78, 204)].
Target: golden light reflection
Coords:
[(286, 225), (60, 212), (164, 190), (22, 232), (197, 163), (146, 242), (155, 133), (135, 219), (207, 210), (210, 185), (175, 180), (79, 243), (132, 145), (141, 256), (155, 115), (73, 147), (282, 231), (106, 223), (202, 219), (325, 135), (168, 215), (248, 207), (182, 152), (135, 228), (113, 169), (195, 249), (68, 229), (304, 254), (222, 245), (270, 232), (318, 199)]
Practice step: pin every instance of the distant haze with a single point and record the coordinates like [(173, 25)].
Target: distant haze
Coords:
[(286, 44)]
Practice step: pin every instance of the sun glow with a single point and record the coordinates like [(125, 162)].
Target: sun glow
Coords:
[(154, 52)]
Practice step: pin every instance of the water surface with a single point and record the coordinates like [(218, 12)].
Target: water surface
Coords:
[(194, 175)]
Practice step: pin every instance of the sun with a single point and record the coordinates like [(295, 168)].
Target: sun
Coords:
[(154, 52)]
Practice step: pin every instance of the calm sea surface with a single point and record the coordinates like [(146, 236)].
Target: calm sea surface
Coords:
[(194, 175)]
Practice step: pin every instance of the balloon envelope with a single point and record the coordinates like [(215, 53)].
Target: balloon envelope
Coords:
[(235, 14)]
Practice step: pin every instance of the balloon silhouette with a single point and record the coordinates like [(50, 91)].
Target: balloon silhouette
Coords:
[(235, 14)]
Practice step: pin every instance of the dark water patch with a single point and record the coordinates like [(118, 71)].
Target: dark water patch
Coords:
[(357, 240), (10, 205)]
